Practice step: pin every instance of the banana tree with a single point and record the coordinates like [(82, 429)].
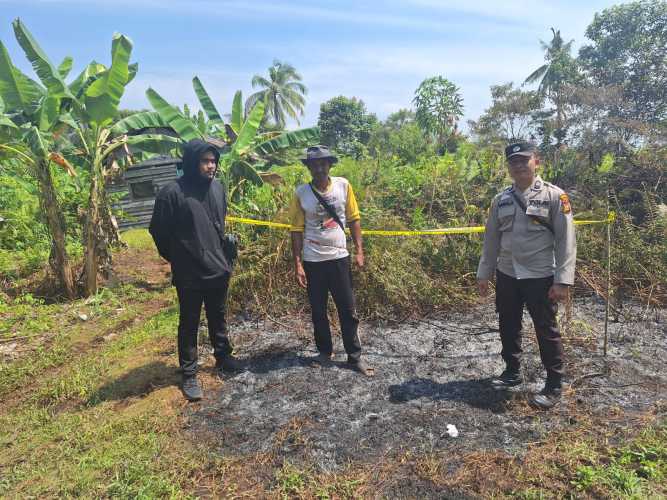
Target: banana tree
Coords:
[(31, 116), (87, 108), (263, 147), (244, 150)]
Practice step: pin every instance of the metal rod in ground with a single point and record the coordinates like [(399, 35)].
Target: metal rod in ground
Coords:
[(606, 311)]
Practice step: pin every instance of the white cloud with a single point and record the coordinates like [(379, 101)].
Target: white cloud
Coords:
[(475, 44), (384, 77), (376, 13)]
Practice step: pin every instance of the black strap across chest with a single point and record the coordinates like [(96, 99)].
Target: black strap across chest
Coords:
[(330, 210), (520, 202), (210, 202)]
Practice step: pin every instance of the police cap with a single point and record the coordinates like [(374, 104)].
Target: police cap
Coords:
[(520, 149)]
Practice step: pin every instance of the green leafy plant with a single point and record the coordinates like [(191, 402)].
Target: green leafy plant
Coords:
[(69, 125), (246, 151), (439, 105)]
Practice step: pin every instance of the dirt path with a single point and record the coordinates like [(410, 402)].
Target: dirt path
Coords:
[(430, 373)]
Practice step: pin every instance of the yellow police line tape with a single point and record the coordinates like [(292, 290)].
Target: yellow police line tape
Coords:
[(611, 217)]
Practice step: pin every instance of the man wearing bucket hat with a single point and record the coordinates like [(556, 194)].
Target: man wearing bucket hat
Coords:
[(530, 244), (319, 213)]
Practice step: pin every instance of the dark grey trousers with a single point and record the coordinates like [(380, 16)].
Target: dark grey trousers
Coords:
[(333, 276), (511, 295)]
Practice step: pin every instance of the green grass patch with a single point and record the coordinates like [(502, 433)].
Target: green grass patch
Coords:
[(637, 469), (105, 312), (92, 453), (84, 380), (139, 239), (67, 438)]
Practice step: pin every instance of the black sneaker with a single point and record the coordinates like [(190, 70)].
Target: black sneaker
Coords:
[(547, 398), (191, 388), (508, 378), (228, 364)]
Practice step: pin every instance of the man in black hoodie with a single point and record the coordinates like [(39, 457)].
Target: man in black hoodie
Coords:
[(187, 226)]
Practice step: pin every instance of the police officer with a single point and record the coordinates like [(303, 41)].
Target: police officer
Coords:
[(530, 244)]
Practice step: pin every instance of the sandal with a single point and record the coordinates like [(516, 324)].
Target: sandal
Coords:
[(362, 368), (322, 359)]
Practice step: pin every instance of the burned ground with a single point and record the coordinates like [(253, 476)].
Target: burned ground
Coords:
[(92, 406), (429, 373)]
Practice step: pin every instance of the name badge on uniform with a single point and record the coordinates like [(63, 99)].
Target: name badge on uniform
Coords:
[(505, 202), (538, 211)]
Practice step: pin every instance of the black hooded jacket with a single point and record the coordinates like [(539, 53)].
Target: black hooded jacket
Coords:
[(184, 222)]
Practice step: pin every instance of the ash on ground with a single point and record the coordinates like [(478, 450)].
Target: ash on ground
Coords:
[(429, 373)]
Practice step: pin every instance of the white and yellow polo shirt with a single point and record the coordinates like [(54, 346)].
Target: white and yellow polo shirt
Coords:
[(323, 239)]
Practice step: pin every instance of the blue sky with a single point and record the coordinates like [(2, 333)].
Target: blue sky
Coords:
[(376, 51)]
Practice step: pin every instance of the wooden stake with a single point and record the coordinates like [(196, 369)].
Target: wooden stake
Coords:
[(606, 312)]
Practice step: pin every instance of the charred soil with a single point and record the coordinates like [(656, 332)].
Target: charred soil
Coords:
[(430, 373)]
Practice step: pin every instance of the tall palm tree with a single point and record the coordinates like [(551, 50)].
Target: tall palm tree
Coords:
[(558, 70), (282, 92)]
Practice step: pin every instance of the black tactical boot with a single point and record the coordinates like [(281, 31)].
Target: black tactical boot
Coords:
[(508, 378), (548, 397), (191, 388), (228, 364)]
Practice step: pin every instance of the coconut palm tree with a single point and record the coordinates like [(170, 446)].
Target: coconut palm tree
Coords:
[(558, 70), (282, 92)]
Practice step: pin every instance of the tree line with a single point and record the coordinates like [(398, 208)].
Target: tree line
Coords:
[(599, 118)]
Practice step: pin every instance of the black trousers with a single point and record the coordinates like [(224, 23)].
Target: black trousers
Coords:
[(190, 301), (511, 295), (333, 276)]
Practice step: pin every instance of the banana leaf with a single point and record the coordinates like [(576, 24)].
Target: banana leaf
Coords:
[(35, 142), (181, 125), (65, 67), (294, 139), (86, 77), (47, 72), (48, 112), (5, 121), (103, 95), (17, 90), (154, 143), (237, 112), (242, 170), (205, 100), (138, 121), (132, 70), (248, 130), (201, 122), (67, 119)]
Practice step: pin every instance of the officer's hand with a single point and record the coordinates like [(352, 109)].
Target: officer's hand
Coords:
[(483, 287), (558, 293), (300, 275), (359, 259)]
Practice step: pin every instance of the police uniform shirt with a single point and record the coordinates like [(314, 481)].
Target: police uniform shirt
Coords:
[(519, 246)]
